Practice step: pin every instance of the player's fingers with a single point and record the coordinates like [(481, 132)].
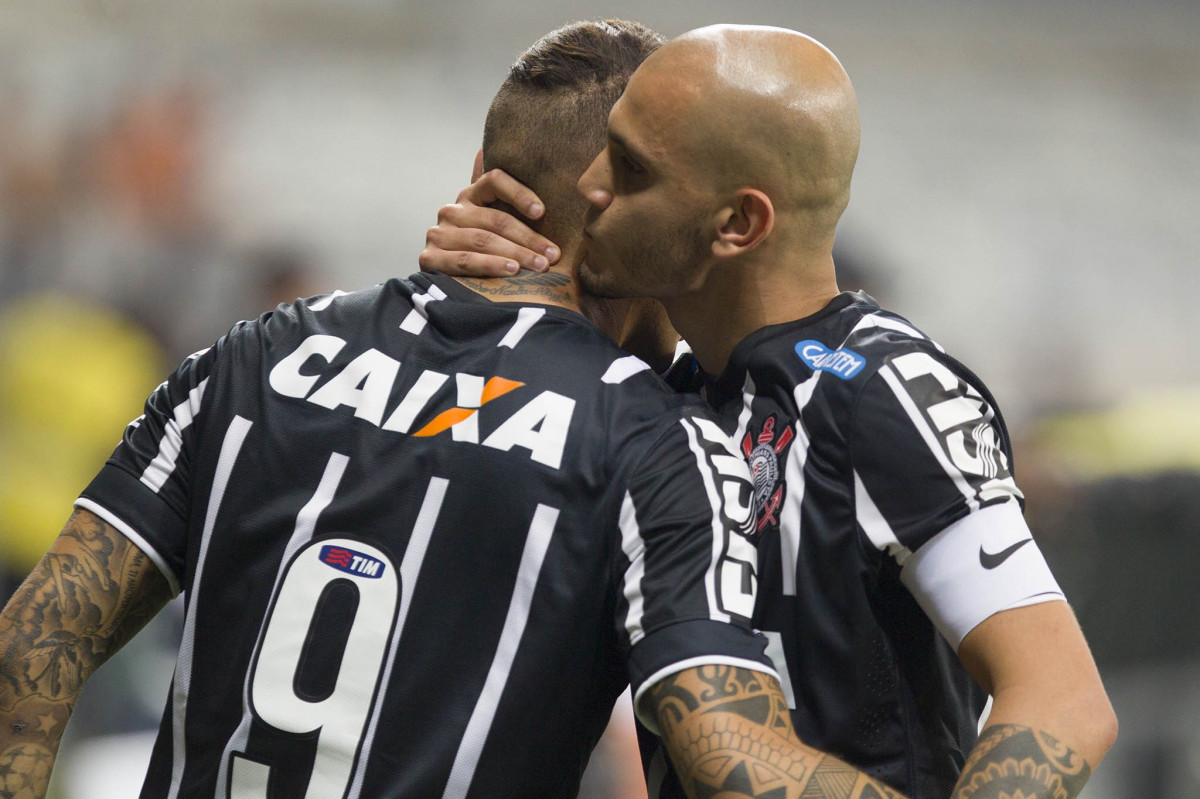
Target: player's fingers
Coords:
[(465, 264), (499, 185), (450, 238), (505, 227)]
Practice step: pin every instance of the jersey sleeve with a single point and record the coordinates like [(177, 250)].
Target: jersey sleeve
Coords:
[(689, 586), (144, 488), (934, 488)]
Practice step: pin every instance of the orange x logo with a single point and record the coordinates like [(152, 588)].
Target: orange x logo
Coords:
[(496, 387)]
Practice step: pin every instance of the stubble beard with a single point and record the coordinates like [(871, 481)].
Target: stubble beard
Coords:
[(657, 266)]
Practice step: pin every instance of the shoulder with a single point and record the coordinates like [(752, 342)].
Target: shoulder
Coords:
[(890, 347)]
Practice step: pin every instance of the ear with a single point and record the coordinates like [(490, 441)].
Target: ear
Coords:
[(744, 223), (477, 170)]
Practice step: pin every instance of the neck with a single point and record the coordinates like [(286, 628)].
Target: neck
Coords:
[(740, 298), (547, 288)]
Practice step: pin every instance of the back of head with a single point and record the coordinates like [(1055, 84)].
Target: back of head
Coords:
[(547, 121)]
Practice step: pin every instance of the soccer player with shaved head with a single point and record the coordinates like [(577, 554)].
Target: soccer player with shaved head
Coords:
[(899, 584)]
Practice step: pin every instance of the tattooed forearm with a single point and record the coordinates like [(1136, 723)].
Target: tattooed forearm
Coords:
[(90, 594), (1010, 760), (729, 734)]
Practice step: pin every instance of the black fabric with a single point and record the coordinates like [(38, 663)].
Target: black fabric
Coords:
[(874, 681), (430, 452)]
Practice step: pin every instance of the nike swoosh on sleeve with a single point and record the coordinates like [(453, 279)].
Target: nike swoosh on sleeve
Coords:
[(990, 560)]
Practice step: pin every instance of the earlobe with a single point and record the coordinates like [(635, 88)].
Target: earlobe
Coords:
[(744, 224), (477, 170)]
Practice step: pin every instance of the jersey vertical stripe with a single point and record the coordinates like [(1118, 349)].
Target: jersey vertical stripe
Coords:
[(536, 543), (231, 447), (790, 517), (306, 522), (935, 447), (410, 570), (875, 525), (417, 318), (775, 651), (526, 319), (718, 549), (163, 465), (624, 368), (634, 548)]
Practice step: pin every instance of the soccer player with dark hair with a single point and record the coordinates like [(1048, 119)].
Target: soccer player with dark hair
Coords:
[(427, 533), (897, 574)]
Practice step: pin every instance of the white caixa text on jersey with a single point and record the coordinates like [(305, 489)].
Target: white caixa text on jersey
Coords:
[(366, 382)]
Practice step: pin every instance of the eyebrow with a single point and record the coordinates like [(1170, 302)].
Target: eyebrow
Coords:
[(621, 142)]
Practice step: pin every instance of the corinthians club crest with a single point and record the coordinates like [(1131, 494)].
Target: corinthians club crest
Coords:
[(765, 453)]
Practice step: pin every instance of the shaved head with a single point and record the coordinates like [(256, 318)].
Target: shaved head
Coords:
[(727, 168), (767, 107)]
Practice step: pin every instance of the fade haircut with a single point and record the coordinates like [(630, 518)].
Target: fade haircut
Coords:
[(547, 122)]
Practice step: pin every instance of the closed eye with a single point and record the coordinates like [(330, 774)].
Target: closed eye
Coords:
[(631, 166)]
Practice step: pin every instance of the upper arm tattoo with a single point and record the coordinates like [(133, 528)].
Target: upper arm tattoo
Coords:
[(729, 733), (1011, 760), (89, 595)]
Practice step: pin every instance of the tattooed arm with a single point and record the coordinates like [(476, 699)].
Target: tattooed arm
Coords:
[(89, 595), (1051, 721), (729, 734)]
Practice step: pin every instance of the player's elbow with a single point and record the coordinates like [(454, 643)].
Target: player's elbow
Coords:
[(1104, 726), (1091, 724)]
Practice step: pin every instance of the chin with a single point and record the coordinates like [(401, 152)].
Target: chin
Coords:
[(597, 284)]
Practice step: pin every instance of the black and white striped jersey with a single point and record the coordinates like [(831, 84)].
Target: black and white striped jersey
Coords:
[(425, 542), (889, 525)]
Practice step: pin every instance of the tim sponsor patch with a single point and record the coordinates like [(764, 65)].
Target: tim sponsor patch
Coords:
[(843, 363), (352, 562)]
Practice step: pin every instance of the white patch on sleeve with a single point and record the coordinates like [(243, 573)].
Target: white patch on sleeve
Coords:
[(622, 369), (887, 323), (634, 547), (324, 302), (526, 319), (415, 321), (169, 447), (951, 579)]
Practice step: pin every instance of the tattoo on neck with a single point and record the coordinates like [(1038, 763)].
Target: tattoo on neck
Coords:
[(553, 286), (540, 279)]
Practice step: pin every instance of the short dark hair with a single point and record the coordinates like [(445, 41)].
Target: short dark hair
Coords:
[(547, 121)]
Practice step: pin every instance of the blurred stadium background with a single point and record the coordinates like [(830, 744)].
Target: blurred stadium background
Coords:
[(1027, 192)]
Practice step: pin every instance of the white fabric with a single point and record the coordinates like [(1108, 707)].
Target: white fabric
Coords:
[(948, 578)]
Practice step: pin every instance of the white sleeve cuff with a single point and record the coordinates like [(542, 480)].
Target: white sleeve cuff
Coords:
[(648, 719), (134, 536), (980, 565)]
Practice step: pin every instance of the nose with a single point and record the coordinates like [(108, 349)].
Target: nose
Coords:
[(594, 182)]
